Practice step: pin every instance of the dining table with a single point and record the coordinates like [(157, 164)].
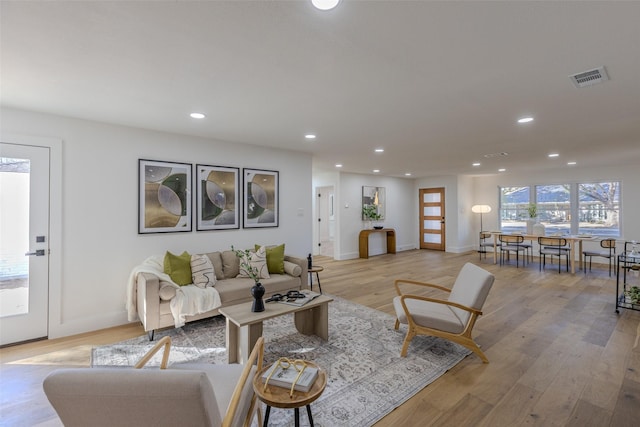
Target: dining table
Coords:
[(574, 241)]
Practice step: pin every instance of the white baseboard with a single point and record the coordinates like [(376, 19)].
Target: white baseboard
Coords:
[(87, 324)]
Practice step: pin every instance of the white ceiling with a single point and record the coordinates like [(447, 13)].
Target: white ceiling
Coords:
[(438, 85)]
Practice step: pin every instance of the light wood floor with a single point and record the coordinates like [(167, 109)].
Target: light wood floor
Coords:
[(560, 355)]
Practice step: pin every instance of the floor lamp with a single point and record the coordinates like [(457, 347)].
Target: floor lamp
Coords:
[(481, 209)]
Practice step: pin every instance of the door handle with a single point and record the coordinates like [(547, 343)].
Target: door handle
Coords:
[(38, 252)]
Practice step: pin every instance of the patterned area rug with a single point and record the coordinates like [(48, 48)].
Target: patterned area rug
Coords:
[(367, 378)]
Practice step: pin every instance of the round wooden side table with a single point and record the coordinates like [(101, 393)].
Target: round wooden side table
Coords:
[(315, 269), (279, 396)]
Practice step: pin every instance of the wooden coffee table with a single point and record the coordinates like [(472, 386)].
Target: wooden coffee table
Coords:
[(244, 327), (279, 397)]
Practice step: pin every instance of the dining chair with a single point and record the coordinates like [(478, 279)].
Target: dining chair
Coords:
[(609, 246), (512, 243), (486, 243), (553, 246)]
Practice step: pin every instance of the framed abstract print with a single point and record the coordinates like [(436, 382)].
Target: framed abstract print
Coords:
[(217, 197), (164, 196), (260, 198)]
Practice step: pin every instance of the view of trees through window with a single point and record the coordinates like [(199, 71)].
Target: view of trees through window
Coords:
[(584, 208)]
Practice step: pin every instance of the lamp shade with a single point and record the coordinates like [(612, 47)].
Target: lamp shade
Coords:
[(480, 209), (325, 4)]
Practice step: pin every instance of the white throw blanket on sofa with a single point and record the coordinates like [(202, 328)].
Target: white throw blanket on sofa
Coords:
[(189, 300)]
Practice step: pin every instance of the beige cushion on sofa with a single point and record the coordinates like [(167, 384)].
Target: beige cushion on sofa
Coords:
[(256, 260), (292, 269), (216, 260), (167, 291), (230, 264), (202, 271)]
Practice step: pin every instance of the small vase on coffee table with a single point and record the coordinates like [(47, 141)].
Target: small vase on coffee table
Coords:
[(257, 291)]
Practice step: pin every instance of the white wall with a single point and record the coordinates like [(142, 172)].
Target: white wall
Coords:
[(400, 214), (100, 240)]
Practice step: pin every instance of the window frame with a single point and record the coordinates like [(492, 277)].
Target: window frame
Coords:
[(574, 205)]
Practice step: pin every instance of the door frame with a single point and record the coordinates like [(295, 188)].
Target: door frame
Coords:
[(55, 317), (442, 219)]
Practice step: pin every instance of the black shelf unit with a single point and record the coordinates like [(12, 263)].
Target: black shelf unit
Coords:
[(626, 261)]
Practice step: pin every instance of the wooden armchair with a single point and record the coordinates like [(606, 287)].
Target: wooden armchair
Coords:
[(452, 318), (181, 394)]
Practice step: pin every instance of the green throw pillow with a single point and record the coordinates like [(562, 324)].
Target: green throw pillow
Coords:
[(178, 267), (275, 258)]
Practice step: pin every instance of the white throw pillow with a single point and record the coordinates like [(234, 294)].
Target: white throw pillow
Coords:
[(202, 271), (258, 260)]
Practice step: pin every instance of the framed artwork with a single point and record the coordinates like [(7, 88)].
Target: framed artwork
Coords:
[(373, 200), (217, 197), (164, 196), (260, 198)]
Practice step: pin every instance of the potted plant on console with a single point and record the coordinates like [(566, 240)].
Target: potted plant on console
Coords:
[(370, 214)]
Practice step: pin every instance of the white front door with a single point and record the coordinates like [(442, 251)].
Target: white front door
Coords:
[(24, 242)]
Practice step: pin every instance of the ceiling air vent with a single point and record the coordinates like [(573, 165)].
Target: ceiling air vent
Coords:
[(588, 78), (501, 154)]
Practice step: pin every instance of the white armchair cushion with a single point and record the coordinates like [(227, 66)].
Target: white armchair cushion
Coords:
[(224, 378), (429, 315), (471, 289), (122, 397)]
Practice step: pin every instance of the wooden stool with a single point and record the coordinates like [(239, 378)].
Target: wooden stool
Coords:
[(279, 396), (315, 269)]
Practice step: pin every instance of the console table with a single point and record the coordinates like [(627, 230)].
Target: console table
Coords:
[(364, 241)]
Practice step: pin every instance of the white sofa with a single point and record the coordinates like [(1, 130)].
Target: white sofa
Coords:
[(152, 295)]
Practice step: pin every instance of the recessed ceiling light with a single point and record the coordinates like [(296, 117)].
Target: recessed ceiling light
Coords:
[(197, 116), (525, 120), (338, 165), (571, 163), (325, 4), (407, 174), (379, 150), (475, 164), (554, 155), (310, 136), (376, 170), (501, 170)]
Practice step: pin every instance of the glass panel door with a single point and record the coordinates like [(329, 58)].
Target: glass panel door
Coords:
[(432, 224), (24, 222)]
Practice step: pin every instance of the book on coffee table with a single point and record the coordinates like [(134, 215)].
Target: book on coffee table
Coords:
[(299, 302), (285, 377)]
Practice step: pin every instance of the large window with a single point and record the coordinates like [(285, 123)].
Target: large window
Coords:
[(514, 202), (599, 208), (592, 208), (553, 203)]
